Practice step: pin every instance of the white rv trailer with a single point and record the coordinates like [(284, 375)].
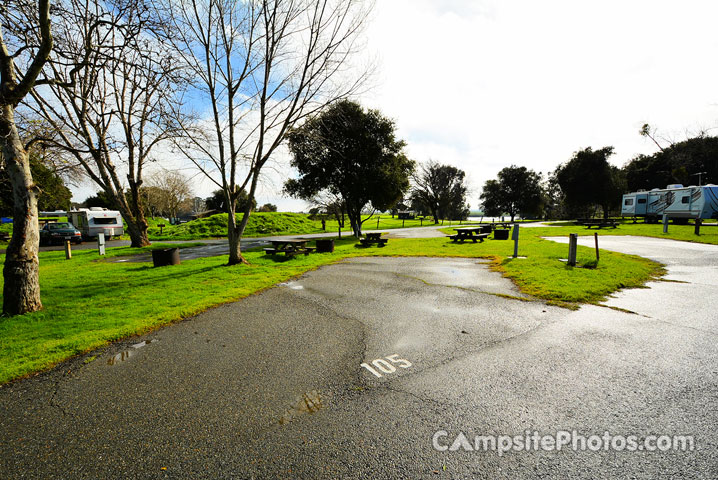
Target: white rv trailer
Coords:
[(97, 220), (676, 201)]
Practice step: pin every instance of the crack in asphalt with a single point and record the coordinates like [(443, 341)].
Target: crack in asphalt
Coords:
[(468, 289)]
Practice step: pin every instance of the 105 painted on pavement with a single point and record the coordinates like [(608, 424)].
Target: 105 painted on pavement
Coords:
[(386, 365)]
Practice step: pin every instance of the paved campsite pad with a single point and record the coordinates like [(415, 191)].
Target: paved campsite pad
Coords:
[(272, 386)]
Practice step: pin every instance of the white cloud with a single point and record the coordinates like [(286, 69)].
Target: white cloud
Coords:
[(483, 85)]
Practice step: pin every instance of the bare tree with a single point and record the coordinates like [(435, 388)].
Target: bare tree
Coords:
[(170, 192), (113, 116), (261, 66), (21, 290)]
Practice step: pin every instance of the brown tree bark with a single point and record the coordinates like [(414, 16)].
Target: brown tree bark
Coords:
[(21, 291), (234, 236)]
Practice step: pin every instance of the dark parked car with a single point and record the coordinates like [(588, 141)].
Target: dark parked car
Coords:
[(58, 232)]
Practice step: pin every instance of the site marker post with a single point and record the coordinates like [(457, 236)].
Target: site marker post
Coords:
[(101, 243), (515, 238), (572, 242), (68, 250), (595, 237)]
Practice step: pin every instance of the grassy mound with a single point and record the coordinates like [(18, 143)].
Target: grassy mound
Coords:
[(260, 224)]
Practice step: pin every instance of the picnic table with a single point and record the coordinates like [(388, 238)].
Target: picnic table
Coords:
[(596, 222), (372, 238), (494, 225), (289, 247), (469, 233)]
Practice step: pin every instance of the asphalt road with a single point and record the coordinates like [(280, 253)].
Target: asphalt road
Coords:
[(273, 386)]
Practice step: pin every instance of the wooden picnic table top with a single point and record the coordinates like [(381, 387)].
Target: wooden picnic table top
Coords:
[(290, 242), (469, 230), (374, 236)]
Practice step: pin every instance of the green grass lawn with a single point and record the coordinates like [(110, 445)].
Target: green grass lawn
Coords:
[(90, 301)]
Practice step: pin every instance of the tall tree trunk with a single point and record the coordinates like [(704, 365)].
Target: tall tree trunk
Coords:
[(355, 221), (138, 237), (21, 291), (234, 236), (134, 219), (138, 233)]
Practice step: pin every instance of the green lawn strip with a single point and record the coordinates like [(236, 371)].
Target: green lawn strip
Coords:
[(543, 275), (686, 233), (90, 301)]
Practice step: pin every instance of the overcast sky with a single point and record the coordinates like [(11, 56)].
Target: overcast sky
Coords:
[(485, 84)]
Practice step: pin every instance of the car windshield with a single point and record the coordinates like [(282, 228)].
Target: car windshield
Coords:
[(59, 226)]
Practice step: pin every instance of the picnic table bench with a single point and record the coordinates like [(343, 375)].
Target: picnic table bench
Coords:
[(596, 222), (469, 233), (289, 247), (372, 238)]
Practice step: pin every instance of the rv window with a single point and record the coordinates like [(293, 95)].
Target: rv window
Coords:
[(641, 200), (629, 201), (685, 199), (105, 221)]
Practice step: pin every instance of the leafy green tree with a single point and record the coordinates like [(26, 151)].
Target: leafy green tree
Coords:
[(218, 202), (101, 200), (440, 189), (268, 207), (554, 199), (52, 194), (352, 154), (517, 190), (589, 181), (677, 163)]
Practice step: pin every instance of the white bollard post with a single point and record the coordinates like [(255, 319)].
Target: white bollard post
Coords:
[(101, 243)]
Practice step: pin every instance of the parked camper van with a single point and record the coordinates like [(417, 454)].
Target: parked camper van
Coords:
[(97, 220), (634, 204), (676, 201)]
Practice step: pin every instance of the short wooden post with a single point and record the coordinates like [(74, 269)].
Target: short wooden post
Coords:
[(697, 229), (68, 250), (665, 223), (377, 222), (595, 237), (402, 223), (515, 238), (572, 244)]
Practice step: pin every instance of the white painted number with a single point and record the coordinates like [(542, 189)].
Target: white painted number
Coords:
[(385, 366)]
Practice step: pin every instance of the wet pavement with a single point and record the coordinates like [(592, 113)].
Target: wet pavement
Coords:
[(350, 370)]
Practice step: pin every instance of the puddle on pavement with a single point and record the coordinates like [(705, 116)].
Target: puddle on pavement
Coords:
[(310, 402), (126, 354), (292, 285)]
